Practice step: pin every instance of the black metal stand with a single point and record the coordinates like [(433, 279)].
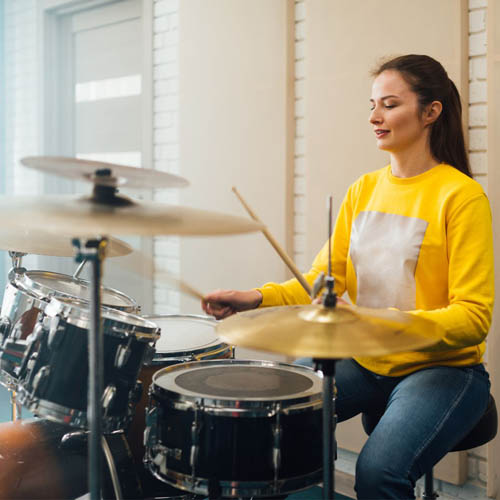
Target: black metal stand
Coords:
[(327, 366), (93, 252)]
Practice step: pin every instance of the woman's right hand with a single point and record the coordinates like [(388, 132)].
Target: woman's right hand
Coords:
[(224, 303)]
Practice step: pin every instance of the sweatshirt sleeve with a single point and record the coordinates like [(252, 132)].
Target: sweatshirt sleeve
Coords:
[(467, 318), (291, 292)]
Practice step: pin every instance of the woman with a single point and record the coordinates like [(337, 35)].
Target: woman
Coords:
[(415, 235)]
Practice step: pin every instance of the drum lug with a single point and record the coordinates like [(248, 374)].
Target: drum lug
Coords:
[(5, 326), (107, 397), (54, 338), (136, 393), (149, 354), (150, 431), (195, 441), (277, 431), (40, 377), (122, 355), (17, 331)]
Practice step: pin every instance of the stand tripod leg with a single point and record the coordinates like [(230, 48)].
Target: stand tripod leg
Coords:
[(16, 407), (112, 469)]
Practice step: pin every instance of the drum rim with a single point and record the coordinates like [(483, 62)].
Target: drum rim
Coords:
[(26, 280), (74, 314), (15, 287), (216, 404), (55, 412), (200, 485), (188, 354)]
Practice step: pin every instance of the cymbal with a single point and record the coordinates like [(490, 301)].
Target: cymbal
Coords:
[(40, 242), (85, 217), (119, 175), (318, 332)]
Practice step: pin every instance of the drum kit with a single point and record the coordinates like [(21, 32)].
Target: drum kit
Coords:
[(160, 400)]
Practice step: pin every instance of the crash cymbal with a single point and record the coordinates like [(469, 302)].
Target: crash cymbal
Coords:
[(41, 242), (85, 217), (117, 175), (318, 332)]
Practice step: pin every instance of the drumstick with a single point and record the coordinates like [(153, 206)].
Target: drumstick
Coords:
[(181, 285), (286, 259)]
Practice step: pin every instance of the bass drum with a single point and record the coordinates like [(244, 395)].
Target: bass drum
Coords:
[(47, 460), (183, 338)]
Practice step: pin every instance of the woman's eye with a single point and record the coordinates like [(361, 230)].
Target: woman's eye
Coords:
[(390, 106)]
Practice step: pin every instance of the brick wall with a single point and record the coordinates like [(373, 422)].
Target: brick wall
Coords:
[(166, 300), (478, 148), (299, 229)]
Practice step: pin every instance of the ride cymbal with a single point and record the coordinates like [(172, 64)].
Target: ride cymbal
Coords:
[(41, 242), (341, 332), (86, 217), (104, 174)]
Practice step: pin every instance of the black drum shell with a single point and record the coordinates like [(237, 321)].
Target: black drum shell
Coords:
[(235, 428), (67, 358), (239, 448)]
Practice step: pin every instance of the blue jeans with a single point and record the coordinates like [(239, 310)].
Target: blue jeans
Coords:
[(424, 415)]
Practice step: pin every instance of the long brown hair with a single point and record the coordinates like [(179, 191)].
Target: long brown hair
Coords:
[(429, 80)]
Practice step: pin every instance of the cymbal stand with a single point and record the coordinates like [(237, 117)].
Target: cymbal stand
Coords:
[(94, 252), (79, 269), (17, 259), (327, 366), (17, 263)]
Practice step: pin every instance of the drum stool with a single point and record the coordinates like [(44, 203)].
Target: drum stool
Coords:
[(484, 431)]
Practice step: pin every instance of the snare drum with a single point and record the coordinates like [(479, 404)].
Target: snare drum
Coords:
[(235, 428), (26, 297), (183, 338), (53, 376)]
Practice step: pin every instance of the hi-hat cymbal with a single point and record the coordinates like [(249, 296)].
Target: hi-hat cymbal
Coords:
[(118, 175), (40, 242), (85, 217), (318, 332)]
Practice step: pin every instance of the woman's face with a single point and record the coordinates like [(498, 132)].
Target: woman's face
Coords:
[(395, 116)]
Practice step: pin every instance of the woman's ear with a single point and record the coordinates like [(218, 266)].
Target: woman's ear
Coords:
[(432, 112)]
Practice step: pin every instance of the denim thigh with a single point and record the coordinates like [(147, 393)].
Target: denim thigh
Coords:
[(427, 413)]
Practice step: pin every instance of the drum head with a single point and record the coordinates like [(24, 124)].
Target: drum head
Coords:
[(47, 283), (239, 381), (182, 335)]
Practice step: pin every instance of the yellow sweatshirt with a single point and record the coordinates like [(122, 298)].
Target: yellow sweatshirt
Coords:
[(421, 244)]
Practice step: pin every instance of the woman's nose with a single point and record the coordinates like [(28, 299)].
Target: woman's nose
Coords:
[(374, 117)]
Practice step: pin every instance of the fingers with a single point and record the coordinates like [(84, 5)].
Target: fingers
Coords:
[(218, 311)]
